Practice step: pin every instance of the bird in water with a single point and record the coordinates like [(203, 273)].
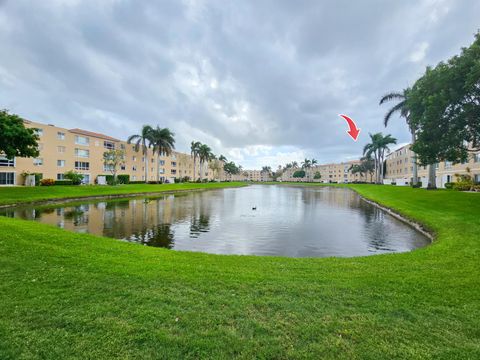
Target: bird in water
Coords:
[(254, 208)]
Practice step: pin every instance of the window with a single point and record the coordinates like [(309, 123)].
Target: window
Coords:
[(61, 149), (122, 146), (60, 135), (134, 177), (162, 162), (6, 162), (38, 161), (161, 171), (477, 157), (436, 166), (108, 167), (134, 158), (134, 168), (448, 164), (60, 177), (61, 163), (109, 145), (82, 140), (174, 163), (82, 153), (122, 167), (81, 165), (174, 171), (7, 178), (39, 132), (152, 161)]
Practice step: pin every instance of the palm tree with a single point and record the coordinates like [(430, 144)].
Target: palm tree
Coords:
[(163, 143), (267, 169), (222, 158), (294, 165), (194, 148), (402, 108), (143, 141), (204, 155), (377, 147), (313, 162), (306, 164)]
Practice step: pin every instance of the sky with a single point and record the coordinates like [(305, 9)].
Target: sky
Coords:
[(262, 81)]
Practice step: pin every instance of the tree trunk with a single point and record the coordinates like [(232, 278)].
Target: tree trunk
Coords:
[(432, 183), (414, 158), (158, 168), (146, 165)]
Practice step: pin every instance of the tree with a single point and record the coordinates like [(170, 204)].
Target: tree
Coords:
[(231, 169), (266, 170), (15, 138), (75, 177), (306, 164), (143, 141), (402, 108), (112, 159), (379, 144), (194, 149), (222, 158), (299, 174), (445, 107), (317, 175), (205, 155), (163, 143)]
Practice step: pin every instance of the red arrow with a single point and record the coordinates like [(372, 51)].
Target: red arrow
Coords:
[(353, 130)]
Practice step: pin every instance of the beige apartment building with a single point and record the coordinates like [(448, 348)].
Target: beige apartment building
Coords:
[(251, 175), (82, 151), (329, 173), (399, 169)]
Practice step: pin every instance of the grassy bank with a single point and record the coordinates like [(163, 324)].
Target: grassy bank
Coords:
[(67, 295), (20, 194)]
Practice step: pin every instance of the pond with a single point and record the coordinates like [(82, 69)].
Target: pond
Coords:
[(293, 221)]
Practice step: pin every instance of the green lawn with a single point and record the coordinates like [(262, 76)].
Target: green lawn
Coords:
[(66, 295), (12, 195)]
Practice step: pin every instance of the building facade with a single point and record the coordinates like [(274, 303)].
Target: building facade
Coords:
[(329, 173), (62, 150), (399, 169)]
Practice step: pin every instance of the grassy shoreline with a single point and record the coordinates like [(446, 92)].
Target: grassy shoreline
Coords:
[(11, 196), (67, 295)]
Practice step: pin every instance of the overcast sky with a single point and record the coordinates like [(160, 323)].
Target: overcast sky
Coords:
[(261, 82)]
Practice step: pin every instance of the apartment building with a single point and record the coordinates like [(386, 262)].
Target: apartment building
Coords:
[(251, 175), (399, 169), (329, 173), (82, 151)]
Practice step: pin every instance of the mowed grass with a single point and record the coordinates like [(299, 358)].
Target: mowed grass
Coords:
[(66, 295), (19, 194)]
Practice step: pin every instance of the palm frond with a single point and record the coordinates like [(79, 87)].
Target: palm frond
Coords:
[(399, 107), (392, 96)]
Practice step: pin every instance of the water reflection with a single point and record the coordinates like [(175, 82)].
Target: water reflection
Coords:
[(289, 221)]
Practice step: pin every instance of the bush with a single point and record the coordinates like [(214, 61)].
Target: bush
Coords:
[(38, 178), (47, 182), (463, 185), (75, 177), (417, 185), (137, 182), (449, 185), (393, 183), (123, 179), (198, 180), (63, 182)]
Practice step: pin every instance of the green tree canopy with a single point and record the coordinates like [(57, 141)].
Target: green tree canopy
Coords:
[(299, 174), (15, 138)]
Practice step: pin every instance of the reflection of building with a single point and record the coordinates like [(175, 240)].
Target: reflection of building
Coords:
[(399, 169), (82, 151), (329, 173)]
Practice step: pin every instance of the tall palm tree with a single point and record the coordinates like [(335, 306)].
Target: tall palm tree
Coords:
[(306, 164), (377, 147), (314, 162), (163, 143), (204, 155), (402, 108), (194, 149), (143, 141), (222, 158), (266, 169), (294, 164)]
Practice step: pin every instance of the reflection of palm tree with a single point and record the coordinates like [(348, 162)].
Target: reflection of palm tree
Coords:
[(157, 236), (199, 225)]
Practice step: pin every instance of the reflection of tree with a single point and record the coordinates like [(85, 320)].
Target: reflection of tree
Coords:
[(157, 236), (199, 224), (77, 215)]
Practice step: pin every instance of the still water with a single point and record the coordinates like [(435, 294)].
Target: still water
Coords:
[(288, 221)]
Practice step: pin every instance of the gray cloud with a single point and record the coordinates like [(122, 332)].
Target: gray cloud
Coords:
[(258, 80)]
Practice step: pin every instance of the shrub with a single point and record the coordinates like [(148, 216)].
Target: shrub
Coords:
[(75, 177), (137, 182), (449, 185), (417, 185), (463, 185), (63, 182), (198, 180), (123, 179), (47, 182), (393, 183)]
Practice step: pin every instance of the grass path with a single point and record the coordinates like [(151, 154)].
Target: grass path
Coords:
[(66, 295)]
